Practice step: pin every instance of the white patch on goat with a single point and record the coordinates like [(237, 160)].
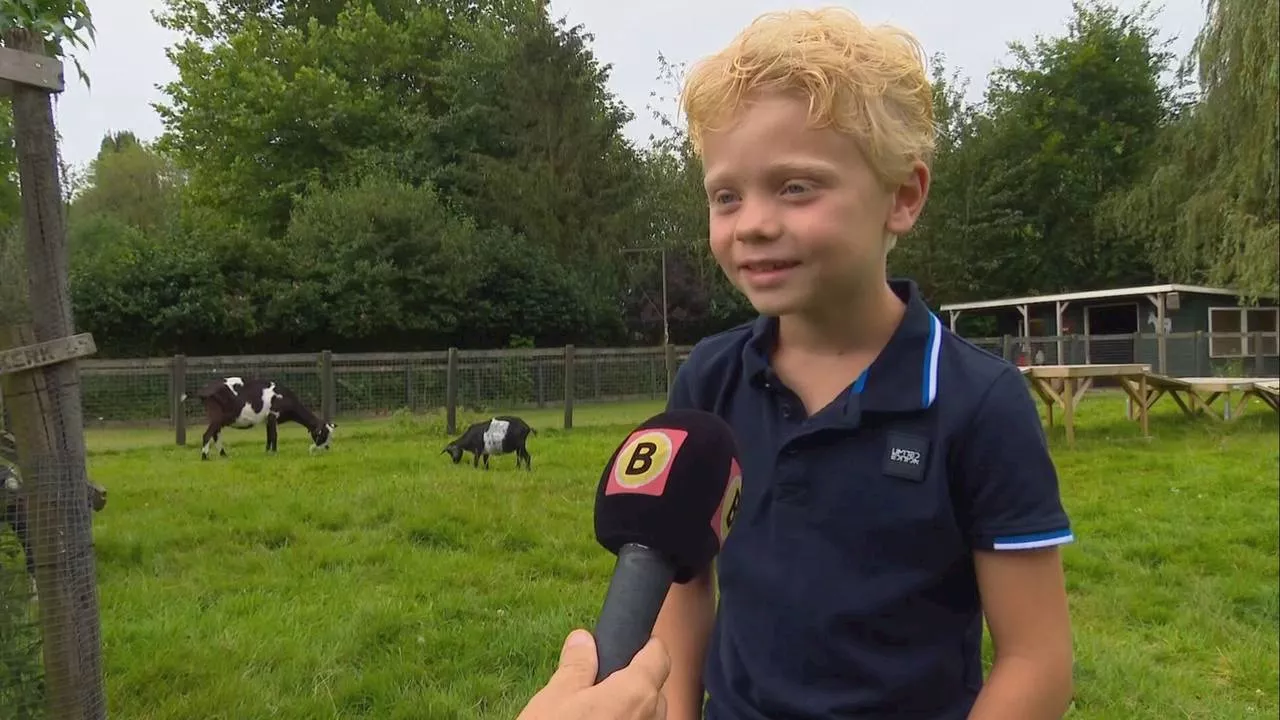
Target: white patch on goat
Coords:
[(494, 436), (233, 384), (11, 483), (249, 417), (328, 436), (205, 450)]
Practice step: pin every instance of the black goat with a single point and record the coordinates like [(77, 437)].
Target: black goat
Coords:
[(243, 404), (497, 436), (13, 513)]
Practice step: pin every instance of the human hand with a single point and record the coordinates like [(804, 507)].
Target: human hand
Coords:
[(632, 693)]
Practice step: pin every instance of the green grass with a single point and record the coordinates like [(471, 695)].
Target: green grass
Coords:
[(379, 580)]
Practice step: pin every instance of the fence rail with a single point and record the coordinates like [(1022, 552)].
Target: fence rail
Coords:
[(150, 390), (1184, 354)]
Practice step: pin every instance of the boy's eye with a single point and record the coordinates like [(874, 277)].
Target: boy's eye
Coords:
[(723, 197), (795, 187)]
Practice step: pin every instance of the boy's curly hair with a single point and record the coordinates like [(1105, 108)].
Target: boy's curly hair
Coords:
[(868, 82)]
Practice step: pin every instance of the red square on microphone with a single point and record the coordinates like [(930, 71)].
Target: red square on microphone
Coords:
[(644, 462)]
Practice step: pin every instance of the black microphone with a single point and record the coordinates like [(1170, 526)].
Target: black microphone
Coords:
[(664, 505)]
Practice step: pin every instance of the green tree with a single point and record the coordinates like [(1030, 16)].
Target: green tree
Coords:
[(1019, 179), (530, 119), (257, 118), (1208, 207), (674, 213), (377, 261), (937, 253), (10, 197), (131, 183)]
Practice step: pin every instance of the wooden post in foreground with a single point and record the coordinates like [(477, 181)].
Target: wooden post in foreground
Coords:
[(41, 387)]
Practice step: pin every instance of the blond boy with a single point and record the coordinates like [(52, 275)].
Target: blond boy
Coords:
[(897, 485)]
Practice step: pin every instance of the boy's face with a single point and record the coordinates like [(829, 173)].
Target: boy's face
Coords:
[(798, 219)]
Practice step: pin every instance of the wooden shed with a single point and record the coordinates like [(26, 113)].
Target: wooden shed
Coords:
[(1180, 330)]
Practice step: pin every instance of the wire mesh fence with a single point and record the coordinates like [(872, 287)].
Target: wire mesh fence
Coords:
[(152, 390), (332, 385)]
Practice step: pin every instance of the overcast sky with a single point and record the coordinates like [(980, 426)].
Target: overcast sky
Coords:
[(127, 65)]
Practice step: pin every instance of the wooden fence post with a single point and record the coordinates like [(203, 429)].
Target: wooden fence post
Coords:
[(178, 385), (568, 387), (42, 385), (670, 353), (1259, 370), (451, 392), (328, 388)]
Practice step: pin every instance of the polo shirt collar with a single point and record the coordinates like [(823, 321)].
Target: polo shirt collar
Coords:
[(902, 378)]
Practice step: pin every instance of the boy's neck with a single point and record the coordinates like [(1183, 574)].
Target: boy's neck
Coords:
[(853, 326)]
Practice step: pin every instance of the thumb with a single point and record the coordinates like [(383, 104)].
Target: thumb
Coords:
[(577, 669)]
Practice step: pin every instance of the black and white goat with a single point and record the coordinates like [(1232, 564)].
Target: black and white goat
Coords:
[(496, 436), (242, 404)]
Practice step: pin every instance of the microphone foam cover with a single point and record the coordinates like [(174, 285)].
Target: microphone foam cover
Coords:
[(673, 485)]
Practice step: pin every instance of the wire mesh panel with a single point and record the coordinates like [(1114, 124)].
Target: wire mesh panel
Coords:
[(21, 675), (125, 391), (993, 345), (42, 504), (372, 384), (489, 379), (620, 374), (1110, 350)]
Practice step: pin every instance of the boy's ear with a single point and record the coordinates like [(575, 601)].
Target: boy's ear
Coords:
[(908, 200)]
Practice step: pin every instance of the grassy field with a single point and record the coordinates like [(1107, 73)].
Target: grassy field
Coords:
[(379, 580)]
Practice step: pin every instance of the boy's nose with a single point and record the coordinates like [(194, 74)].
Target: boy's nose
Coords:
[(757, 222)]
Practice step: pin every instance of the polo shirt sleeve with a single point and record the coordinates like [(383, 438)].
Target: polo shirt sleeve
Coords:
[(1008, 486)]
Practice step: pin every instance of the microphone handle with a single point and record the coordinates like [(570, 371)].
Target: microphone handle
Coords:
[(641, 579)]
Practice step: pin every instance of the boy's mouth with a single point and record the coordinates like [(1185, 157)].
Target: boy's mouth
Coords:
[(761, 266), (765, 274)]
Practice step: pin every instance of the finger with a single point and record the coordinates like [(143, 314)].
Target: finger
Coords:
[(577, 668), (653, 662)]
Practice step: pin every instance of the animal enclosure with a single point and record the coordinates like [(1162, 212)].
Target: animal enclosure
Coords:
[(383, 581), (149, 391)]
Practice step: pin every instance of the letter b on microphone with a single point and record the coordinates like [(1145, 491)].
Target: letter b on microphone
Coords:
[(644, 462)]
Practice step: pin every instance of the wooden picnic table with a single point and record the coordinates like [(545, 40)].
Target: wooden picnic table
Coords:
[(1066, 385), (1196, 394)]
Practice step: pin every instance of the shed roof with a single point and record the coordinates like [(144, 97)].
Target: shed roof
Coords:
[(1091, 295)]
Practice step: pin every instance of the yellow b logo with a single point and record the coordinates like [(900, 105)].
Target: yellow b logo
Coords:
[(729, 505), (643, 460)]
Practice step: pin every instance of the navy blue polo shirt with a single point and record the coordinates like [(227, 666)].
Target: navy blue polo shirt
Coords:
[(847, 587)]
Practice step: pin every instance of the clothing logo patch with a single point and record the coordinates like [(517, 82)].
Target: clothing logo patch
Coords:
[(906, 456)]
